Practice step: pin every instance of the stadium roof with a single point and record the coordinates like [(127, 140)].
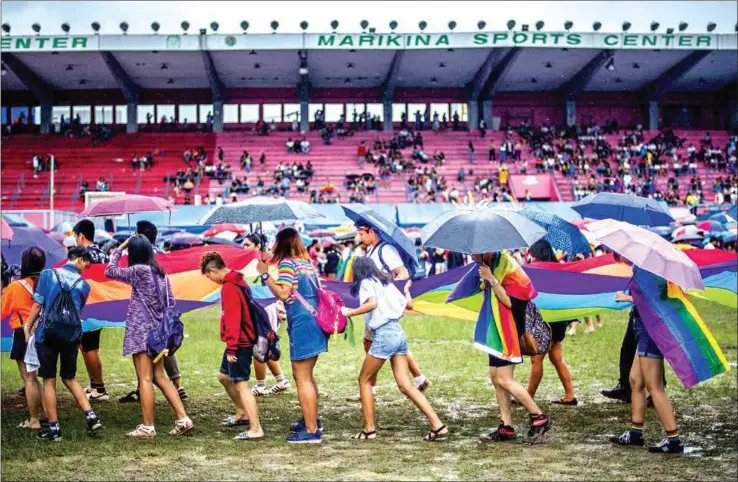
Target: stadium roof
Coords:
[(542, 61)]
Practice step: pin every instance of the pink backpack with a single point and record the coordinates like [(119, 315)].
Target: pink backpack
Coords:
[(328, 315)]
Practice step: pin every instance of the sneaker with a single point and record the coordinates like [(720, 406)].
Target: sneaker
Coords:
[(299, 426), (280, 387), (182, 427), (627, 439), (503, 433), (97, 395), (260, 391), (618, 393), (538, 428), (142, 432), (305, 438), (667, 447), (182, 394), (50, 435), (93, 425)]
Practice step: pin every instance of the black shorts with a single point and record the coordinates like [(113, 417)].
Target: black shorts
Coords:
[(558, 331), (241, 370), (91, 340), (51, 350), (499, 362), (18, 348)]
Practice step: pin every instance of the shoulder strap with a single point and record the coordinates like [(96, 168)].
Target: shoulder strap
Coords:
[(24, 284), (61, 285)]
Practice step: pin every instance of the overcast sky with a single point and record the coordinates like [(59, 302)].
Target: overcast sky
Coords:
[(139, 15)]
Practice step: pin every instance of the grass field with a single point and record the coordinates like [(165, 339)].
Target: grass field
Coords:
[(461, 393)]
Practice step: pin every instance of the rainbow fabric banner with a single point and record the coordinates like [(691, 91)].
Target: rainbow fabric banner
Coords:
[(677, 329)]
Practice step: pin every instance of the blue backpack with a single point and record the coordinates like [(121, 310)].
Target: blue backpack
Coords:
[(166, 337), (266, 343), (411, 265), (62, 320)]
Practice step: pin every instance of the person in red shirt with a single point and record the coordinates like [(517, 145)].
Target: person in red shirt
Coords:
[(362, 154), (237, 331)]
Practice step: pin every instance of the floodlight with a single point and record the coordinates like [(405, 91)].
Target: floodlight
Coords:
[(654, 26), (510, 24), (244, 25), (568, 25), (65, 27), (422, 24), (626, 26), (155, 26), (481, 24), (214, 26), (124, 27), (683, 26), (36, 28), (711, 26), (539, 25), (596, 26)]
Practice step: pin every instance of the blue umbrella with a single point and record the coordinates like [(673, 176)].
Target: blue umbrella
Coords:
[(25, 237), (562, 234), (663, 231), (636, 210), (723, 219), (390, 232), (711, 226), (733, 212), (480, 230)]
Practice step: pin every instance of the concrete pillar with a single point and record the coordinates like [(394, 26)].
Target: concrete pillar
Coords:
[(472, 114), (732, 113), (132, 117), (387, 115), (486, 113), (304, 88), (570, 113), (45, 118), (218, 116), (652, 115)]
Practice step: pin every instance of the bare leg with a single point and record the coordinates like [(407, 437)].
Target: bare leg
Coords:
[(588, 323), (235, 396), (167, 388), (402, 376), (369, 369), (307, 392), (78, 393), (145, 374), (259, 370), (248, 401), (50, 399), (274, 368), (367, 345), (413, 365), (556, 356), (573, 328), (503, 377), (536, 374), (653, 374), (94, 366), (33, 395), (637, 392)]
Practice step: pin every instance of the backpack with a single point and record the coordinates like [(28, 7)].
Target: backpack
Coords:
[(409, 264), (266, 344), (166, 337), (62, 320), (328, 316)]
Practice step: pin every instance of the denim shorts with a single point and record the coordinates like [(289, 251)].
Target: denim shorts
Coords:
[(388, 340), (645, 345), (241, 370)]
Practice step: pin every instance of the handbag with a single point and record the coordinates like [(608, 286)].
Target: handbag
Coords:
[(166, 337), (537, 336)]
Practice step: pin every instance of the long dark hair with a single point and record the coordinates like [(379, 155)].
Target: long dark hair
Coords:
[(141, 252), (33, 261), (288, 244), (541, 250), (258, 240), (364, 268)]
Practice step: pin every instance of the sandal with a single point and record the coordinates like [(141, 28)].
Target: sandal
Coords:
[(26, 425), (573, 402), (438, 435), (231, 421), (182, 427), (245, 436), (142, 432), (130, 398), (365, 435)]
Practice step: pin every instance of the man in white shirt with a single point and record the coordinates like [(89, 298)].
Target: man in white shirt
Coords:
[(388, 260)]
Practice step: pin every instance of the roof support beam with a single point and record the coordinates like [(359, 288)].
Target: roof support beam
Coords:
[(388, 89), (129, 88), (498, 73), (43, 91), (304, 91), (474, 87), (655, 90), (216, 86), (572, 88)]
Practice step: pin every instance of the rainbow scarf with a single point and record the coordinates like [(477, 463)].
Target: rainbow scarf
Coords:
[(677, 329), (495, 332)]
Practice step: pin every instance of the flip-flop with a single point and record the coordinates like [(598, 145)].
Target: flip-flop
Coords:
[(365, 435), (573, 402), (231, 421), (130, 398), (26, 425), (436, 435), (246, 437)]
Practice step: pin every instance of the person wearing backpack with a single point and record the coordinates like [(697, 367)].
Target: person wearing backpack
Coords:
[(60, 295), (17, 301), (297, 286), (151, 296), (388, 261), (383, 305), (238, 331)]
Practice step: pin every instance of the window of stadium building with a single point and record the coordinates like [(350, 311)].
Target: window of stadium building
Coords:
[(273, 112), (230, 114), (145, 114), (375, 110), (19, 114), (35, 115), (121, 114), (354, 108), (103, 114), (397, 111), (187, 114), (84, 112), (5, 115), (60, 110), (440, 109), (312, 109), (412, 109), (459, 108), (250, 113), (164, 110), (291, 112), (205, 110), (333, 112)]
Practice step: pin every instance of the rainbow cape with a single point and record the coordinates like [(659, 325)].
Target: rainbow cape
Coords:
[(677, 329), (495, 331)]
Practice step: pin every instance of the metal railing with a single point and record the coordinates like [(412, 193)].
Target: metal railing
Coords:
[(75, 194), (16, 194), (139, 179)]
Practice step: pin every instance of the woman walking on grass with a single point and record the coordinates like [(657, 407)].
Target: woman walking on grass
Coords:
[(151, 295), (383, 305), (297, 287)]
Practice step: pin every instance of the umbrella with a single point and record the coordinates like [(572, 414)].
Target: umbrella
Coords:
[(687, 230), (623, 207), (663, 231), (723, 219), (127, 204), (102, 236), (648, 251), (561, 234), (224, 227), (730, 238), (480, 230), (221, 241), (687, 238), (7, 231), (25, 237), (390, 232), (580, 223), (260, 209), (321, 233), (346, 236), (711, 226), (188, 240)]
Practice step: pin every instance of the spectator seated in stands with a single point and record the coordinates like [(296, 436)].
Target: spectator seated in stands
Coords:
[(101, 186), (290, 145), (246, 161), (284, 186), (305, 146), (328, 187)]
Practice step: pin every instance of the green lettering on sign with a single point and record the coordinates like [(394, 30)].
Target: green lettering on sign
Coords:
[(324, 40), (81, 41), (422, 40), (630, 40), (538, 38), (648, 40), (60, 43), (480, 39), (668, 39), (610, 40), (394, 40), (442, 40), (41, 41), (23, 43), (685, 40), (366, 40), (347, 40), (499, 37), (4, 43), (556, 37), (573, 39), (705, 40)]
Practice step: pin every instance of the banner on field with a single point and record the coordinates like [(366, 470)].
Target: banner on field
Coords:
[(371, 41), (539, 186)]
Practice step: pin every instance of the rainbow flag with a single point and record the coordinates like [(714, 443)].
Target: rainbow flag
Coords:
[(677, 329)]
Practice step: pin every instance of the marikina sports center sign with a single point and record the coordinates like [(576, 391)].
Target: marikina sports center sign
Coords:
[(371, 41)]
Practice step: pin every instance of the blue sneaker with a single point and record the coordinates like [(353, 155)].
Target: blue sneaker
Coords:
[(305, 438), (299, 426)]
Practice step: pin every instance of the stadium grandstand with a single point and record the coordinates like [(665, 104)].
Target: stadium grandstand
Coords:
[(204, 116)]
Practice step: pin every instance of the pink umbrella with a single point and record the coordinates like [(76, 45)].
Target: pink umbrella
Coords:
[(127, 204), (6, 232), (648, 251), (580, 223)]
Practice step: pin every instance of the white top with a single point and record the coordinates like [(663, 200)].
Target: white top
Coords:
[(390, 256), (390, 302)]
